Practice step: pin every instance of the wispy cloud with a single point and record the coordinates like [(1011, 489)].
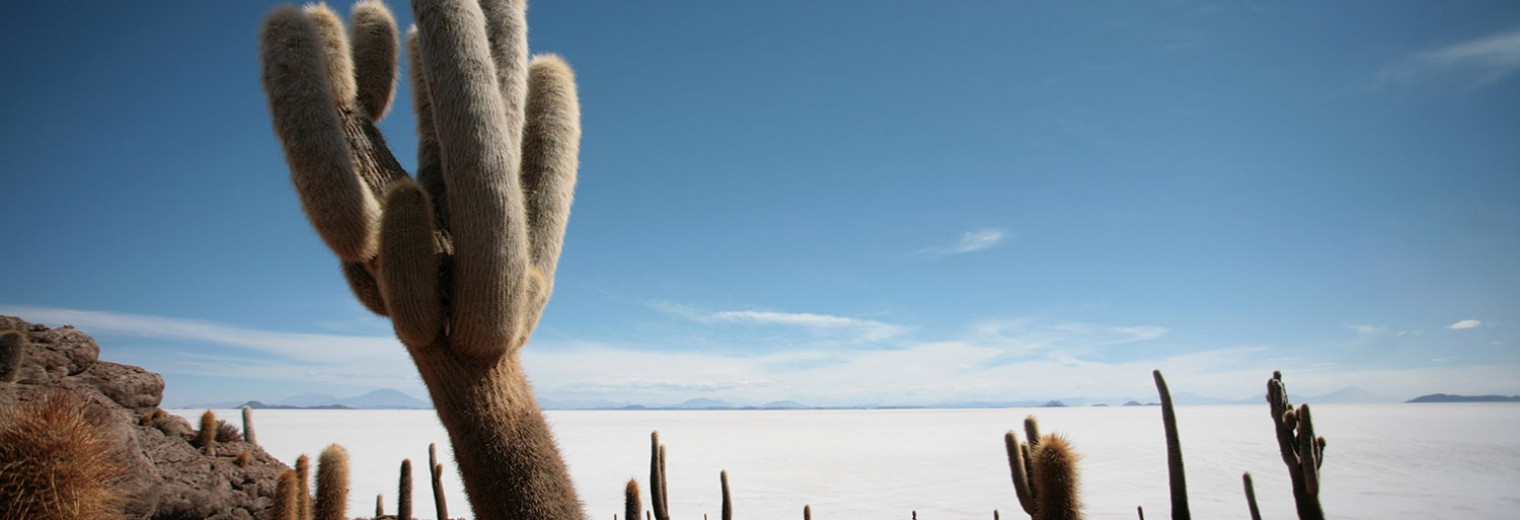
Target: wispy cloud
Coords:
[(861, 329), (1367, 330), (971, 241), (1477, 62), (194, 347), (1465, 324)]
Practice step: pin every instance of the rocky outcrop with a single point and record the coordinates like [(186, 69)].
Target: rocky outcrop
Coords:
[(170, 478)]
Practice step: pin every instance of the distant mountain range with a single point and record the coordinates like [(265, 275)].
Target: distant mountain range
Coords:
[(1448, 398), (387, 399)]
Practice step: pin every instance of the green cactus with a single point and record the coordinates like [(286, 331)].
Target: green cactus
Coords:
[(332, 484), (248, 426), (1176, 476), (435, 473), (287, 504), (1044, 474), (631, 503), (206, 436), (404, 493), (303, 486), (1301, 450), (462, 259), (12, 354)]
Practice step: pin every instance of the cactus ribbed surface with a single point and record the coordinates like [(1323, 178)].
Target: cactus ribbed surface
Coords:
[(248, 426), (332, 484), (303, 486), (58, 460), (461, 258), (287, 503)]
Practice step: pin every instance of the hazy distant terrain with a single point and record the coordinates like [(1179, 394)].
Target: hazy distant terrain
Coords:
[(950, 464)]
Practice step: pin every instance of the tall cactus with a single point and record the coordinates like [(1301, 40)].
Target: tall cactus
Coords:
[(206, 436), (659, 499), (462, 259), (404, 492), (303, 486), (287, 504), (248, 426), (1176, 475), (435, 475), (728, 501), (1301, 450), (631, 503)]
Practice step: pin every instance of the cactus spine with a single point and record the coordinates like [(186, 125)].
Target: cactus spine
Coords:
[(287, 505), (12, 353), (1177, 476), (404, 493), (1044, 471), (332, 484), (303, 485), (58, 462), (481, 227), (1301, 450), (207, 434), (248, 426), (631, 505)]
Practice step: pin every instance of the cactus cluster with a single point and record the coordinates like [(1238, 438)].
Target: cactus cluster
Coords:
[(1044, 473), (461, 257)]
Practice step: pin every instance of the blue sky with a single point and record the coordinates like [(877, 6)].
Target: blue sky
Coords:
[(842, 202)]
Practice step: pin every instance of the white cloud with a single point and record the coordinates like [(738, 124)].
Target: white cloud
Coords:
[(1368, 330), (856, 329), (1465, 324), (369, 361), (1477, 62), (971, 241)]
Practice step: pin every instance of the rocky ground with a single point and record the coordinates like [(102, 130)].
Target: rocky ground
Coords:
[(171, 478)]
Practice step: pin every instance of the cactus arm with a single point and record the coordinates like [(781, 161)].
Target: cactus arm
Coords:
[(375, 50), (480, 169), (409, 281), (429, 157), (551, 147), (1020, 470), (1301, 450), (1177, 475)]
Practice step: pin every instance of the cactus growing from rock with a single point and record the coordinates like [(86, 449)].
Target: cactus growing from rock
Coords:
[(248, 425), (206, 436), (1301, 450), (404, 492), (287, 503), (12, 348), (59, 460), (1176, 476), (303, 486), (462, 259), (332, 484)]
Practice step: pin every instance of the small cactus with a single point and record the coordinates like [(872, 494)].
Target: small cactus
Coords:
[(12, 353), (657, 492), (404, 493), (58, 462), (631, 505), (1245, 481), (728, 501), (332, 484), (379, 505), (248, 426), (303, 485), (287, 503), (207, 434), (243, 459)]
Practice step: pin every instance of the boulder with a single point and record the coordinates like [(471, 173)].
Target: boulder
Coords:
[(169, 478)]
